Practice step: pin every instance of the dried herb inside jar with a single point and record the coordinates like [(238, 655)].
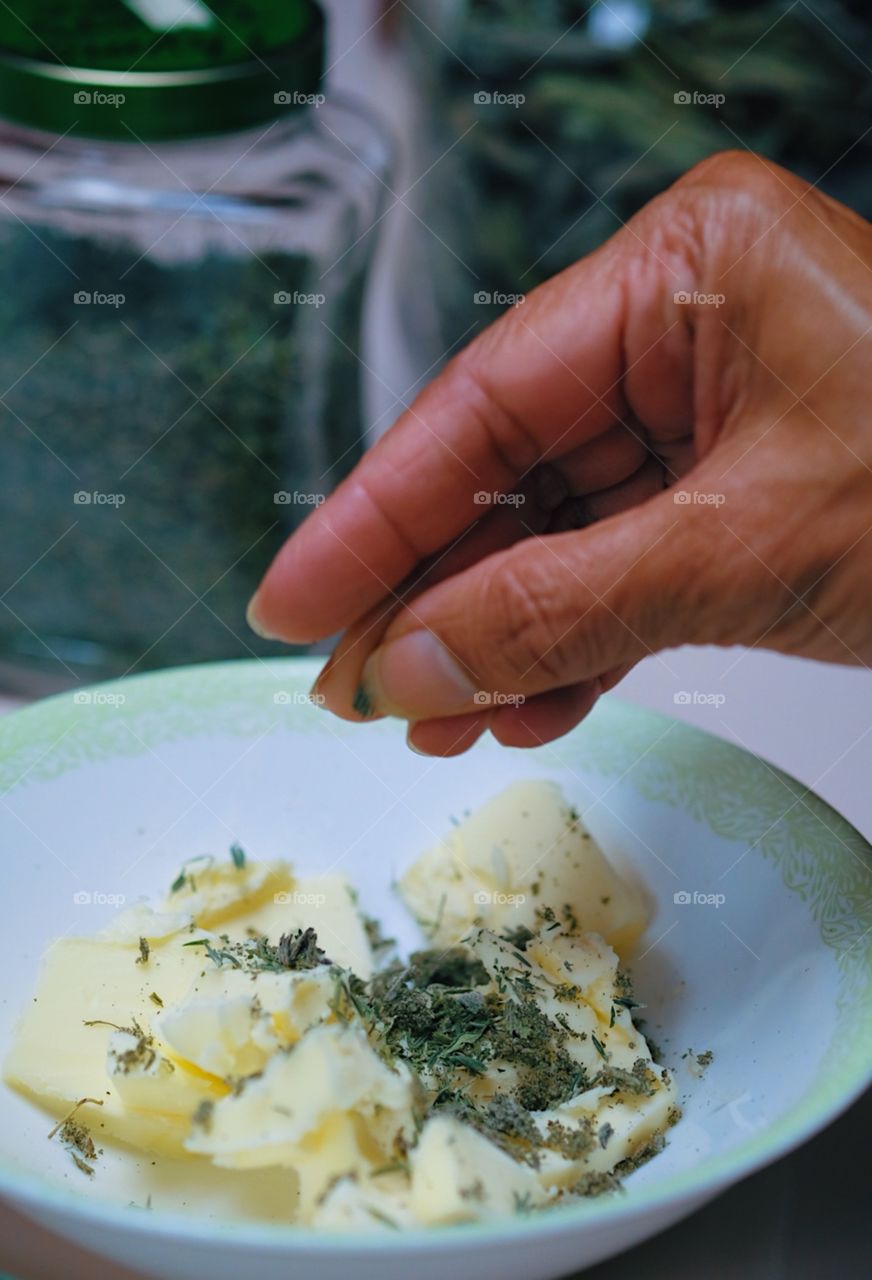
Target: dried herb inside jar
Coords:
[(547, 126)]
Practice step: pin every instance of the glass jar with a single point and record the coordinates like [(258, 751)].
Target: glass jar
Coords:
[(545, 127), (179, 338)]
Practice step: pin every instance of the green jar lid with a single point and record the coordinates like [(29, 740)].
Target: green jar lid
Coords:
[(157, 69)]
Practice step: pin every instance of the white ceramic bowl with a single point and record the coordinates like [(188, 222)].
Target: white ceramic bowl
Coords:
[(760, 947)]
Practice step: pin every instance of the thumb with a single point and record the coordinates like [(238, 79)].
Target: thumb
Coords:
[(553, 611)]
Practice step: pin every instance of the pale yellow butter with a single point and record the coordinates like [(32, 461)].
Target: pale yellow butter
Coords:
[(56, 1059), (220, 1054), (520, 852), (460, 1176)]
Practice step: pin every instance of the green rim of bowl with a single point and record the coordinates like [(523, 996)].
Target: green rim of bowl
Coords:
[(820, 856)]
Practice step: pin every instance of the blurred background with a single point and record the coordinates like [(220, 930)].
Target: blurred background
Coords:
[(237, 237), (186, 365)]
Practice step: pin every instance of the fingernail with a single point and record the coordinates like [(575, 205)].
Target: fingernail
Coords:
[(410, 741), (414, 677), (316, 697), (316, 692), (255, 623)]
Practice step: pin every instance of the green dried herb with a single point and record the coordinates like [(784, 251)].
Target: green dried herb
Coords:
[(431, 927), (518, 937), (596, 1184), (475, 1191), (185, 877), (77, 1139), (203, 1115), (523, 1203), (451, 1020), (300, 950), (380, 945), (399, 1165), (265, 397), (382, 1217), (627, 1002), (641, 1080), (362, 702), (140, 1055), (572, 1143), (297, 950), (598, 130)]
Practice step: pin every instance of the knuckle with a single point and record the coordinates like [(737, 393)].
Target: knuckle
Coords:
[(746, 180), (527, 634), (674, 593), (508, 436), (719, 211), (731, 167)]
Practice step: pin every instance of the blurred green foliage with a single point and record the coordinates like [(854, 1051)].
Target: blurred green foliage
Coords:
[(528, 187)]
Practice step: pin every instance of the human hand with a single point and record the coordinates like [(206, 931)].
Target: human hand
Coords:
[(668, 472)]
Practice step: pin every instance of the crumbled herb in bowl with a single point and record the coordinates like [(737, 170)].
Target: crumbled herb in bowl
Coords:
[(77, 1139), (297, 950)]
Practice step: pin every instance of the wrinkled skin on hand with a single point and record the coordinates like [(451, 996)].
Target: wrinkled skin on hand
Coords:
[(680, 472)]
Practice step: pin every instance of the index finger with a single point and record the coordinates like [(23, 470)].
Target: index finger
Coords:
[(540, 381)]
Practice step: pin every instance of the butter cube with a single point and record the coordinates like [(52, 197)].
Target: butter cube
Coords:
[(525, 849)]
